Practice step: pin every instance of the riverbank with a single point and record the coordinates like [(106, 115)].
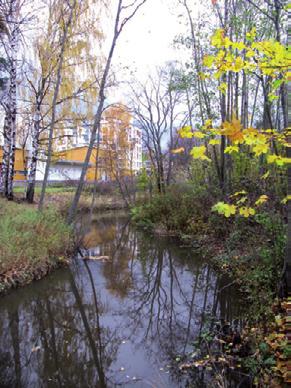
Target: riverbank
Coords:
[(32, 244), (61, 198), (251, 252)]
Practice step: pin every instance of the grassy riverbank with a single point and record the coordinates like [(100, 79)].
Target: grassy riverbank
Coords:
[(60, 197), (31, 243)]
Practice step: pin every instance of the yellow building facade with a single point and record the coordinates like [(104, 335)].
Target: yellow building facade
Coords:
[(20, 163), (78, 154)]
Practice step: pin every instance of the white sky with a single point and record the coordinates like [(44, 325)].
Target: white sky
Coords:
[(148, 38), (147, 41)]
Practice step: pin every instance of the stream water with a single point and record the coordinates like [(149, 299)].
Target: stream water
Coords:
[(117, 322)]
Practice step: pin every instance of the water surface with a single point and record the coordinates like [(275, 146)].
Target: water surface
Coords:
[(121, 322)]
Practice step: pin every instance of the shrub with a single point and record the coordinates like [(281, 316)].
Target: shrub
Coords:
[(181, 210)]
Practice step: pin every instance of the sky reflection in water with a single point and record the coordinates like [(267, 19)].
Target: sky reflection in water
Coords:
[(115, 323)]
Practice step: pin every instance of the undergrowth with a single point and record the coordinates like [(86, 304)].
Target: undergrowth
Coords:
[(31, 243), (250, 251)]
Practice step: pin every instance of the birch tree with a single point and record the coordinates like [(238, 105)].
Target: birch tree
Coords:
[(75, 82), (41, 75), (124, 13), (11, 15), (67, 22)]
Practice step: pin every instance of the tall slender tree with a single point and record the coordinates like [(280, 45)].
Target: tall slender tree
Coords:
[(125, 12)]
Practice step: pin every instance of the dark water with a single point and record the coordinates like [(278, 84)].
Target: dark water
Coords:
[(116, 323)]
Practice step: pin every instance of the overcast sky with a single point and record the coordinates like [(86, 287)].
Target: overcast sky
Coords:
[(147, 40)]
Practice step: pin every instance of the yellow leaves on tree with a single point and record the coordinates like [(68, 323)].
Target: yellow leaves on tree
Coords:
[(199, 153), (224, 208), (260, 149), (214, 142), (233, 131), (269, 57), (231, 149), (218, 38), (186, 132), (198, 134), (278, 160), (230, 210)]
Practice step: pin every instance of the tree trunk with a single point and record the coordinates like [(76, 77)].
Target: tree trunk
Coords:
[(34, 156), (5, 157), (11, 108), (54, 104), (97, 120)]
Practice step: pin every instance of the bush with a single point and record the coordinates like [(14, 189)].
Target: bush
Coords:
[(182, 211)]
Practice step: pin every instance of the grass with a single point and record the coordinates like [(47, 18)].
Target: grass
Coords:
[(61, 197), (49, 189), (31, 243)]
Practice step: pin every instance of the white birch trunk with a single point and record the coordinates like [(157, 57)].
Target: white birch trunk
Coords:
[(11, 104), (34, 156), (5, 157)]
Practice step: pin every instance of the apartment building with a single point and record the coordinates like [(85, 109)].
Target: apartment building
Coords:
[(118, 152)]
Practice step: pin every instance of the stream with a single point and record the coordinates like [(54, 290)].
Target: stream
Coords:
[(117, 322)]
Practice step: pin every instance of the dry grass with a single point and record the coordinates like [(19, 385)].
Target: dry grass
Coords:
[(31, 243)]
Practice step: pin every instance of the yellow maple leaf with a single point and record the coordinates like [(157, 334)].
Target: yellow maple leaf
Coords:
[(246, 211), (262, 199), (208, 123), (238, 64), (198, 134), (231, 149), (232, 129), (214, 142), (199, 153), (208, 60), (186, 132), (224, 208), (262, 148), (217, 39)]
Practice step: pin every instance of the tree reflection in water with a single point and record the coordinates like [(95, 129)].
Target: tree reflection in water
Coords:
[(118, 322)]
